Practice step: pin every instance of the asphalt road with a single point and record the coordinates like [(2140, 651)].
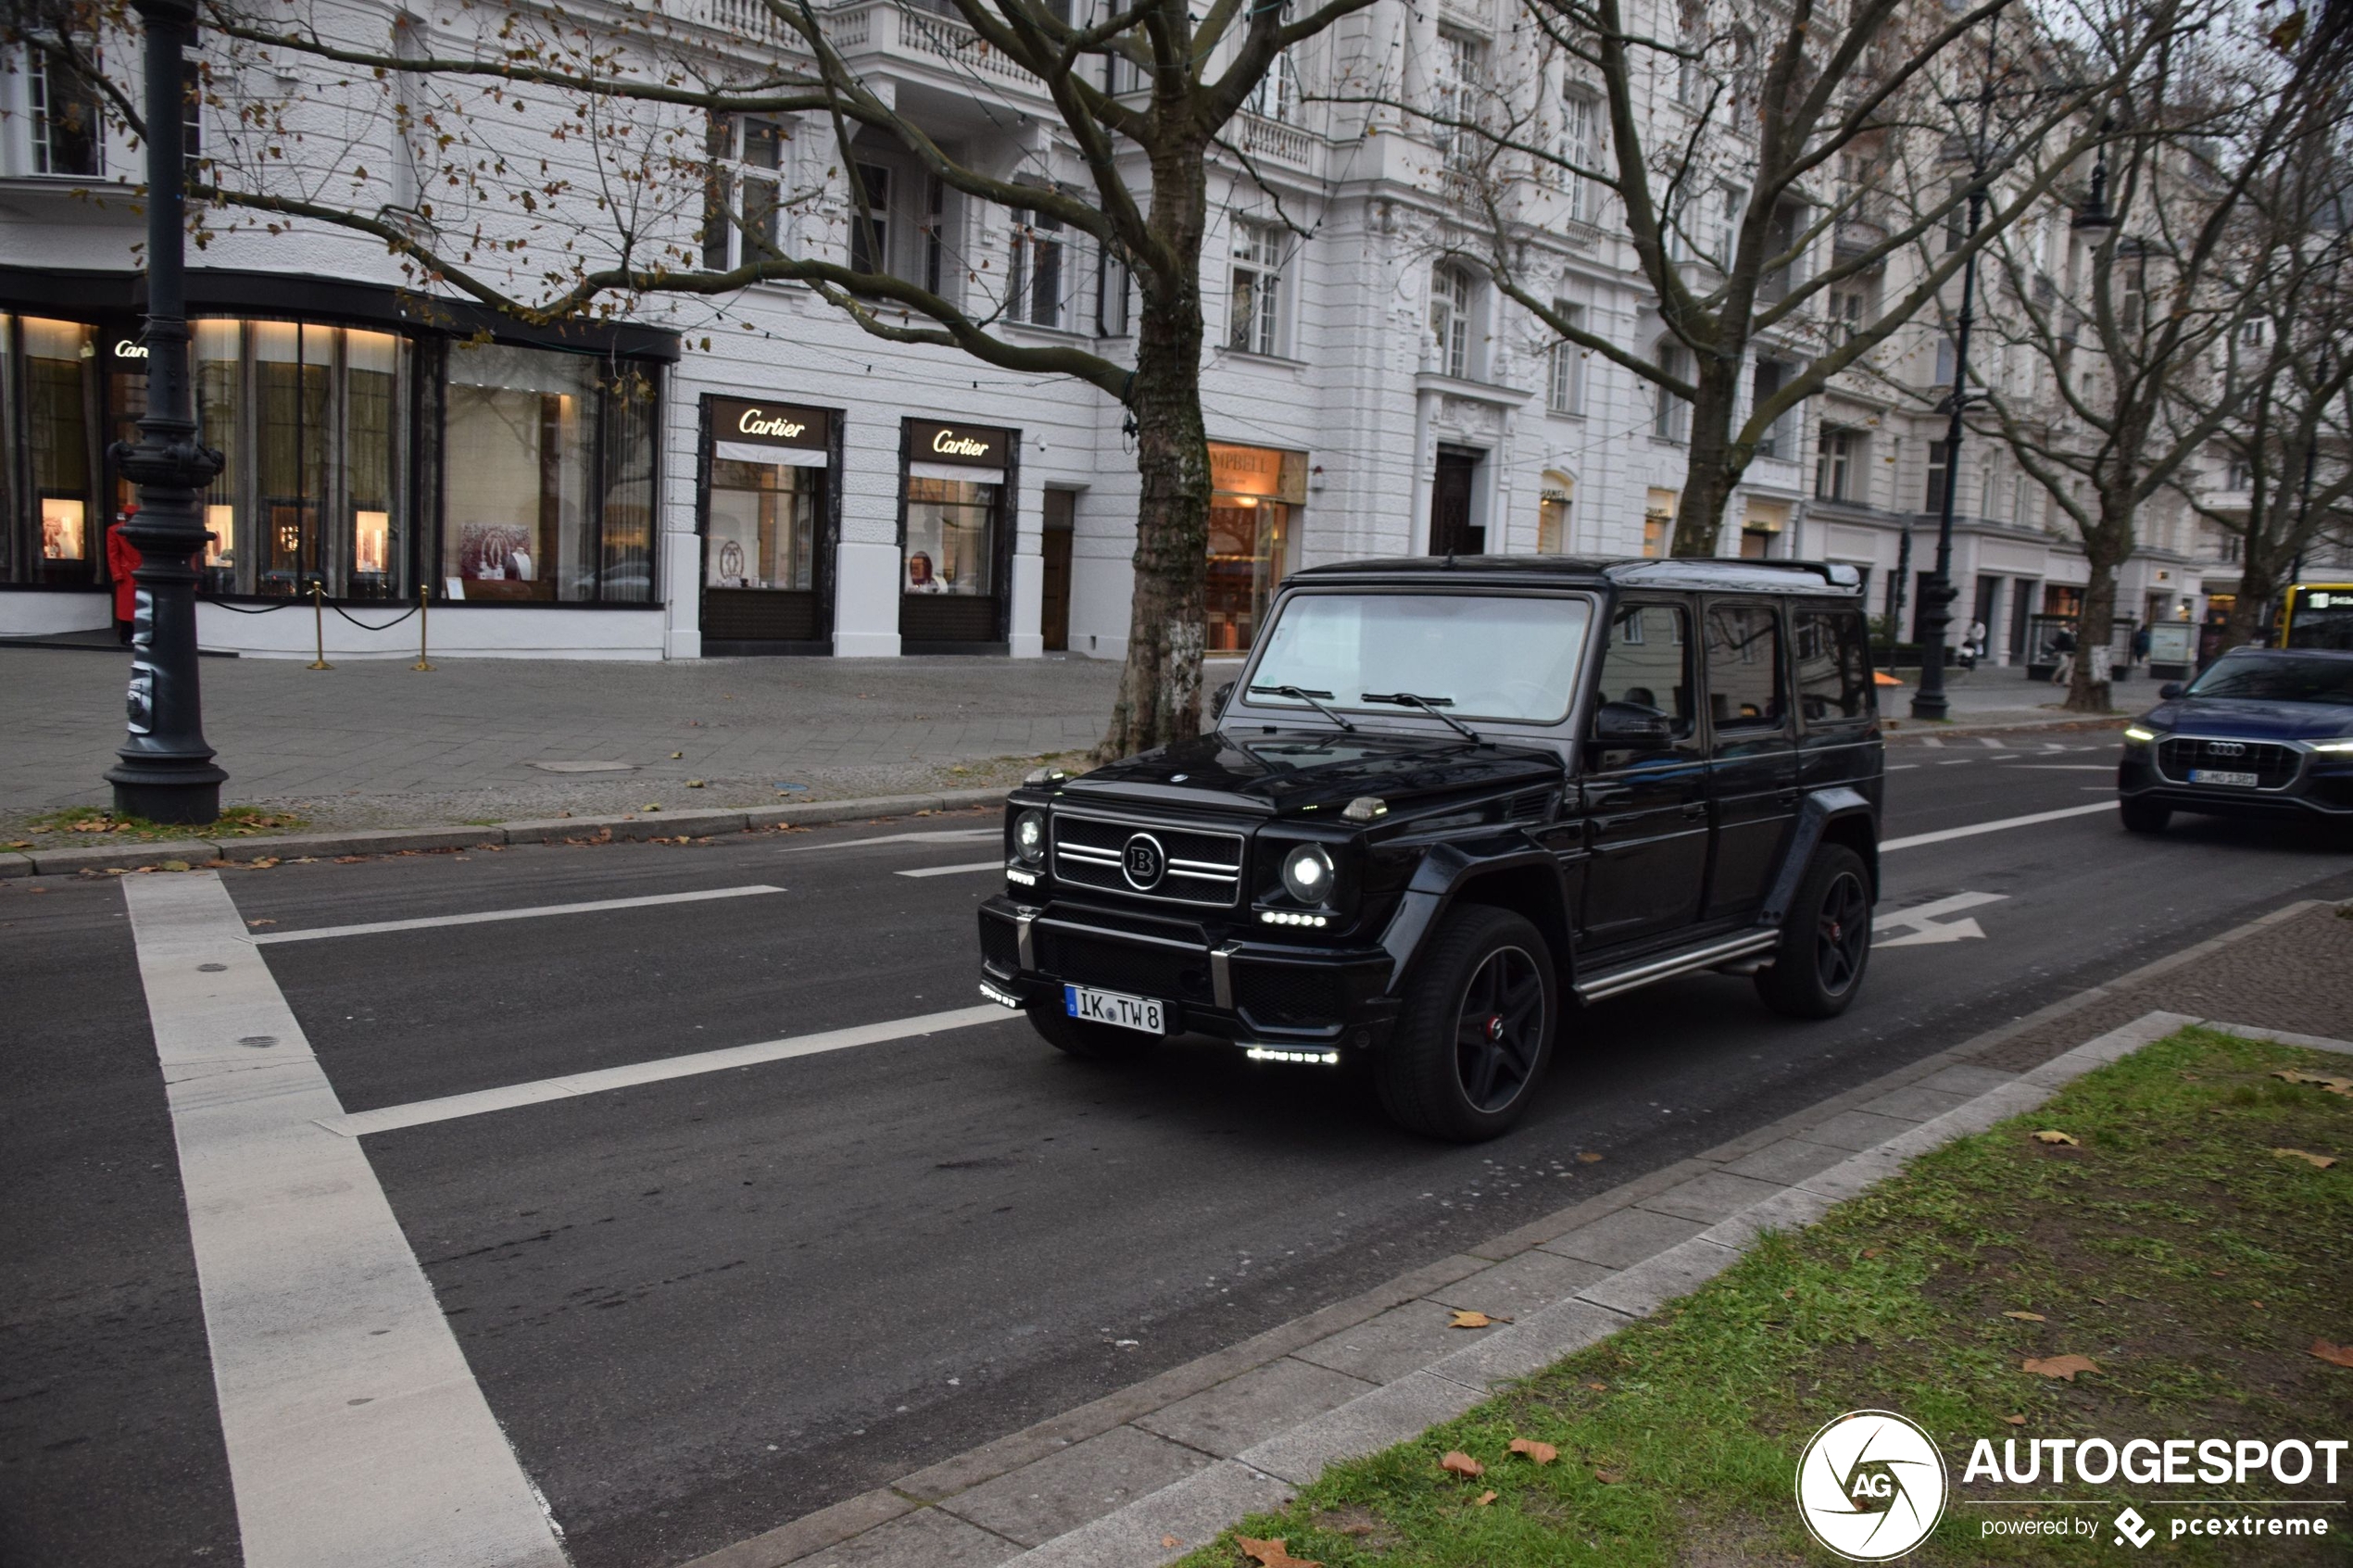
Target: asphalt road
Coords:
[(703, 1307)]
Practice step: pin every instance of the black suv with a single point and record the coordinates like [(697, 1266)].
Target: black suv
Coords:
[(1447, 795)]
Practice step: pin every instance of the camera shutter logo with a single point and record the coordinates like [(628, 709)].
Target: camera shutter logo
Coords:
[(1871, 1486), (1143, 862)]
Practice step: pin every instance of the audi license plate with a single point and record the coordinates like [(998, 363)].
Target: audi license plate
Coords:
[(2210, 776), (1140, 1013)]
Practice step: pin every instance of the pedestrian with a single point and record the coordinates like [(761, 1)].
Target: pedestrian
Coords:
[(2141, 645), (1973, 645), (2063, 644), (122, 559)]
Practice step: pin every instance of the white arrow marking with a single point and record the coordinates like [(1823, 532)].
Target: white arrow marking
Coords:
[(1926, 926), (1952, 930)]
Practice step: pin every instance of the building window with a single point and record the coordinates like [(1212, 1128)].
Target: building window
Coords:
[(870, 223), (1671, 413), (1255, 493), (1035, 280), (1565, 383), (1780, 439), (548, 488), (1582, 149), (69, 128), (1276, 96), (1834, 463), (1462, 74), (1255, 324), (1847, 309), (1938, 467), (740, 204), (1658, 522), (1554, 502), (1450, 319), (50, 440)]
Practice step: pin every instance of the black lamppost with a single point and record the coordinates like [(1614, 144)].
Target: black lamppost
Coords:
[(167, 773)]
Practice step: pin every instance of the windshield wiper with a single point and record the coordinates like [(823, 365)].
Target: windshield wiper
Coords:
[(1429, 705), (1302, 695)]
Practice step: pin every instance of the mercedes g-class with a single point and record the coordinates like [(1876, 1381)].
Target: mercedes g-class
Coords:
[(1447, 795)]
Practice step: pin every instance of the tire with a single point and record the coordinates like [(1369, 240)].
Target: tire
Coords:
[(1089, 1042), (1826, 940), (2145, 816), (1476, 1031)]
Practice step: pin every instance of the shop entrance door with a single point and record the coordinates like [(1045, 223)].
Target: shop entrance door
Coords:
[(767, 566), (1450, 533), (1053, 615)]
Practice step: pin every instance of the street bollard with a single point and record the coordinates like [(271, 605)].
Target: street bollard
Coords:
[(423, 610), (318, 624)]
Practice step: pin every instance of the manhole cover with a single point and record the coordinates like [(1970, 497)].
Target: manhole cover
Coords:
[(583, 767)]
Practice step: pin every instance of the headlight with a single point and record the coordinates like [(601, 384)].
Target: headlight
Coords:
[(1307, 874), (2135, 735), (1029, 837), (2334, 745)]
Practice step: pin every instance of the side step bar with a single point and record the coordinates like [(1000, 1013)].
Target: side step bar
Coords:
[(1610, 982)]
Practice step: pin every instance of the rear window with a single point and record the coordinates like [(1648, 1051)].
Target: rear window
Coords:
[(1833, 668)]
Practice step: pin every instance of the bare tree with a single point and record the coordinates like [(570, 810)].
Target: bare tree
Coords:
[(557, 169)]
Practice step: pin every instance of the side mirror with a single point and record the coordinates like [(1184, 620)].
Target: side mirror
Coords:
[(1219, 698), (1631, 724), (2171, 690)]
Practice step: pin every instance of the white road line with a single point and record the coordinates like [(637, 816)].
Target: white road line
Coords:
[(1971, 831), (1990, 743), (947, 835), (1933, 909), (355, 1431), (2069, 767), (957, 871), (421, 1113), (1898, 767), (484, 917)]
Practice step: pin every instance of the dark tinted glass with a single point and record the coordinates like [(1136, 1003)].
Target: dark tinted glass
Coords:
[(1649, 661), (2278, 679), (1744, 667), (1833, 676)]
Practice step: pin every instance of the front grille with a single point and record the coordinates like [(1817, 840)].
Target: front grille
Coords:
[(999, 944), (1200, 866), (1168, 973), (1287, 996), (2272, 765)]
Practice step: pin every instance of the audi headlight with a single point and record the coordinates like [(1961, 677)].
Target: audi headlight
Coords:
[(1307, 874), (1029, 837), (2135, 735), (2335, 746)]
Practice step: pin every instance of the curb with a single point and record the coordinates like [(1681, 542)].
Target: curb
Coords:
[(1708, 1209), (635, 827)]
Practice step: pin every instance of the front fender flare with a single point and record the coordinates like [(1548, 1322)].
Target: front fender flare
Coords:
[(1820, 809), (1441, 874)]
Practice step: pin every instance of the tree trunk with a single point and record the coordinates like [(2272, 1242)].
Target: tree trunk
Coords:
[(2259, 580), (1160, 688), (1710, 471), (2105, 549)]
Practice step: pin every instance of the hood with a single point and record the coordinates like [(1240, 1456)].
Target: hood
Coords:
[(2240, 718), (1283, 773)]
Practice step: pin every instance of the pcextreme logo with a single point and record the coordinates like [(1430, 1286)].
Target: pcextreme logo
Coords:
[(1870, 1485)]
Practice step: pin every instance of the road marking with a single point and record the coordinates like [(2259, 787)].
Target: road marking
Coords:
[(1932, 741), (1956, 761), (485, 916), (1942, 835), (946, 836), (957, 871), (1990, 744), (355, 1434), (2068, 767), (1898, 767), (539, 1092), (1928, 927)]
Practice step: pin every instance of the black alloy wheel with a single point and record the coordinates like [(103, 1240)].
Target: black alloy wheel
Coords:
[(1476, 1033), (1826, 939)]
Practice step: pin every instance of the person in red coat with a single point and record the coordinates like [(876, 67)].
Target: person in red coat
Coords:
[(122, 559)]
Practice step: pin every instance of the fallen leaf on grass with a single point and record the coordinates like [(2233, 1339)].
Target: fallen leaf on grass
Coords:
[(1272, 1554), (1484, 1499), (20, 844), (2015, 1420), (261, 923), (1598, 1387), (1475, 1319), (2058, 1366), (1608, 1477), (1543, 1453), (2318, 1080), (2052, 1134), (1461, 1463), (1587, 1157), (2336, 1355), (2317, 1161), (2027, 1317)]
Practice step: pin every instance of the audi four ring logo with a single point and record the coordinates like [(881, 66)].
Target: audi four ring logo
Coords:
[(1144, 860), (2225, 748)]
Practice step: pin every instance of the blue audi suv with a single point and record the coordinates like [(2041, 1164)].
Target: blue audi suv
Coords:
[(2261, 732)]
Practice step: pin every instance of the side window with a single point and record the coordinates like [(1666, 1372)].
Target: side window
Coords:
[(1743, 667), (1833, 676), (1648, 663)]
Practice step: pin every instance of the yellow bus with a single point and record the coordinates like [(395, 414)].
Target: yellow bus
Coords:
[(2315, 615)]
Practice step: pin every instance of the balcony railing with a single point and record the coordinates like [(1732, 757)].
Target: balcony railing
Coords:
[(1274, 140), (743, 18), (865, 26)]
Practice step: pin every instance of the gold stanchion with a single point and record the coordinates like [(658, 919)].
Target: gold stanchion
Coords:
[(319, 623), (424, 603)]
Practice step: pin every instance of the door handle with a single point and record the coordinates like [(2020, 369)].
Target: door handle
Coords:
[(1695, 808), (1787, 798), (1602, 800)]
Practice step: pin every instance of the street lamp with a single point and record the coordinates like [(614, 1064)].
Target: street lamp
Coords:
[(167, 773)]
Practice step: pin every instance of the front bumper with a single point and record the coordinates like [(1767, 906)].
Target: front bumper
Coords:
[(2322, 787), (1221, 985)]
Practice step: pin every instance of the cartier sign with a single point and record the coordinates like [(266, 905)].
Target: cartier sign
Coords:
[(768, 425), (965, 445)]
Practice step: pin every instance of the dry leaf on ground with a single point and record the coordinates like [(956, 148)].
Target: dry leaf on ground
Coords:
[(1484, 1499), (1598, 1387), (1608, 1477), (2052, 1134), (2319, 1080), (1461, 1463), (2027, 1317), (2058, 1366), (1475, 1319), (2015, 1420), (1272, 1554), (2336, 1355), (1169, 1543), (2317, 1161), (1543, 1453), (1587, 1157), (261, 923)]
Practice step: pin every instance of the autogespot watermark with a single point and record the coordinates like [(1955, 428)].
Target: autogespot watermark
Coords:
[(1872, 1485)]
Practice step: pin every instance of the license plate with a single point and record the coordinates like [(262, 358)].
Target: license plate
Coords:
[(2210, 776), (1140, 1013)]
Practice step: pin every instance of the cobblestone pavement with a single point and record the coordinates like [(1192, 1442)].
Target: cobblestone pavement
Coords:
[(374, 743)]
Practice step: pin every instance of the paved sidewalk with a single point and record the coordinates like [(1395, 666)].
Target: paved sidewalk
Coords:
[(1988, 697), (1180, 1457), (372, 744)]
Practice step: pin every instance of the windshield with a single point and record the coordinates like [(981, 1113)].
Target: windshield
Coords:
[(1470, 655), (2275, 679), (2323, 619)]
